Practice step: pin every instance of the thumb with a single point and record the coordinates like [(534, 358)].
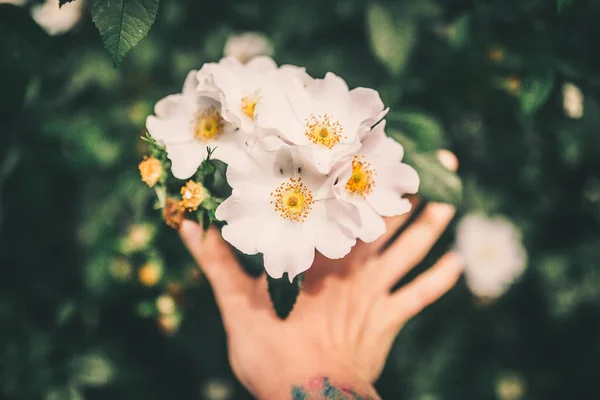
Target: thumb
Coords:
[(215, 258)]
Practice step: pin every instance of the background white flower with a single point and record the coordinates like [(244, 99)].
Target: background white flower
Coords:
[(248, 45), (217, 389), (375, 181), (13, 2), (322, 117), (493, 253), (294, 208), (188, 123), (57, 20), (572, 100)]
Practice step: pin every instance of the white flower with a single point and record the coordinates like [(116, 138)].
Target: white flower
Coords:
[(187, 124), (246, 46), (375, 181), (572, 100), (13, 2), (321, 116), (217, 389), (493, 253), (283, 208), (57, 20), (165, 304), (240, 87)]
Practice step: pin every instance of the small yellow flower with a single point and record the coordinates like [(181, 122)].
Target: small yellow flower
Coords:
[(150, 170), (138, 238), (169, 323), (150, 273), (513, 84), (192, 194), (496, 54), (173, 213)]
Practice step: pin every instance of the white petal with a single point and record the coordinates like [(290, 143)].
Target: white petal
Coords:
[(186, 158), (261, 64), (169, 131), (403, 178), (243, 213), (331, 239), (168, 106), (274, 114), (335, 82), (324, 158), (286, 247), (372, 225), (190, 85), (366, 106), (229, 147), (388, 202)]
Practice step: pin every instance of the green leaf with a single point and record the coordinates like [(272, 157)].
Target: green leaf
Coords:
[(284, 293), (392, 37), (437, 182), (534, 92), (122, 24), (459, 31), (68, 392), (426, 131), (560, 5), (252, 263), (93, 369)]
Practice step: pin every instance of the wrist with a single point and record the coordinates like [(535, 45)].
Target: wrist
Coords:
[(314, 385)]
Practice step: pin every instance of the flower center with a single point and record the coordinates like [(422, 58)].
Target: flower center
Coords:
[(487, 253), (208, 125), (292, 200), (324, 130), (192, 194), (361, 181), (249, 105)]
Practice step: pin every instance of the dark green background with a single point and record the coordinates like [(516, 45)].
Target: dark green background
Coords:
[(69, 189)]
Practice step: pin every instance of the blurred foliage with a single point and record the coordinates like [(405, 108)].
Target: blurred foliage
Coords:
[(84, 258)]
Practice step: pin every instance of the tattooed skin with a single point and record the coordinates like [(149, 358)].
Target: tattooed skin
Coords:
[(321, 389)]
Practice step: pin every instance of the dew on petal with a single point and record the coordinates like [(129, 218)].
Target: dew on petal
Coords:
[(293, 200), (324, 130)]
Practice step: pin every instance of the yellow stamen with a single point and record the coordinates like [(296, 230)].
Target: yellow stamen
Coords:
[(150, 170), (292, 200), (208, 125), (322, 129), (361, 181), (249, 105), (192, 194)]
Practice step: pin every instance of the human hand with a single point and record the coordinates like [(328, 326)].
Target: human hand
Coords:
[(345, 319)]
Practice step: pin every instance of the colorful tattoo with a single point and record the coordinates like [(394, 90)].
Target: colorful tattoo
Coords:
[(321, 389)]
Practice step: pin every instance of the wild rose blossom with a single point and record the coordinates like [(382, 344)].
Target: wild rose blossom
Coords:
[(309, 163), (248, 45), (493, 252)]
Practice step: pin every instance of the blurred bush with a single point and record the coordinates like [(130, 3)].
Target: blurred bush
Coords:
[(98, 299)]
